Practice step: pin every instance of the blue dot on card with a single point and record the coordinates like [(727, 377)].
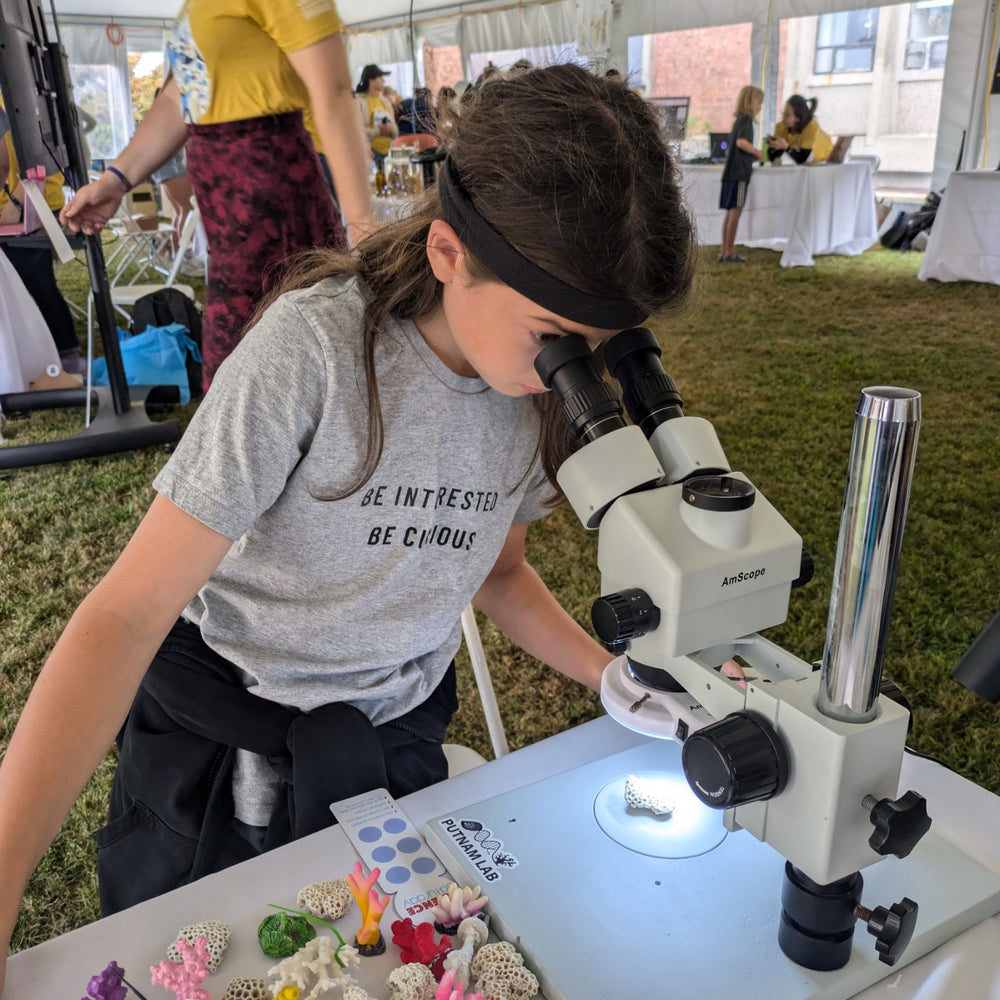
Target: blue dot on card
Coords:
[(408, 845), (383, 854), (369, 834), (424, 865), (397, 875), (394, 825)]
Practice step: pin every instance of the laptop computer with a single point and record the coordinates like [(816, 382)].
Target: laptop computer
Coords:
[(718, 146), (840, 148)]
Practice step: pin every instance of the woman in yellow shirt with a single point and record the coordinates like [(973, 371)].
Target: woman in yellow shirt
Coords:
[(242, 73), (798, 133), (377, 113)]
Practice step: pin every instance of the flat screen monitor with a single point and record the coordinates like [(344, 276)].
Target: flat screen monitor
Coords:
[(37, 94), (718, 146), (673, 115)]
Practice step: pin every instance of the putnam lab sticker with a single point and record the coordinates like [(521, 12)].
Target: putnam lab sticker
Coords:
[(484, 851)]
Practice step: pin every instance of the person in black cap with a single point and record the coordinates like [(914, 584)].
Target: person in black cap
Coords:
[(376, 112)]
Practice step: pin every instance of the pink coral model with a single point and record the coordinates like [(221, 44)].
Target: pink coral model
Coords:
[(455, 905), (449, 990), (184, 977)]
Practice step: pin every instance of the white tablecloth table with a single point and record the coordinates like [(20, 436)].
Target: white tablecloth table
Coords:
[(801, 211), (964, 243), (967, 966)]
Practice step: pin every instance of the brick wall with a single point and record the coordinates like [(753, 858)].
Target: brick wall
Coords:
[(709, 65)]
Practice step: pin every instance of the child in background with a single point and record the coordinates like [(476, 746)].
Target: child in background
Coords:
[(284, 620), (740, 158)]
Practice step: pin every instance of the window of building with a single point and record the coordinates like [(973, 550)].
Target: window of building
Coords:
[(927, 41), (845, 42)]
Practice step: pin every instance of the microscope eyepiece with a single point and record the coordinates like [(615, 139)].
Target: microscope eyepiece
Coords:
[(651, 397), (566, 366)]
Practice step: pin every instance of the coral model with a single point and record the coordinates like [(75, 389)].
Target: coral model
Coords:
[(641, 793), (372, 906), (245, 988), (500, 973), (319, 960), (282, 934), (452, 990), (107, 985), (472, 934), (215, 933), (329, 900), (411, 982), (453, 906), (417, 944), (185, 976)]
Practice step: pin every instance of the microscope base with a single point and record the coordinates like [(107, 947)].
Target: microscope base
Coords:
[(596, 920)]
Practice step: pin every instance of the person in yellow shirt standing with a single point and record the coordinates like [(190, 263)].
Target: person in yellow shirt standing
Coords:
[(34, 265), (377, 113), (798, 133), (242, 73)]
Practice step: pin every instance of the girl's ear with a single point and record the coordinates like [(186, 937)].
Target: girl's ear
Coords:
[(445, 252)]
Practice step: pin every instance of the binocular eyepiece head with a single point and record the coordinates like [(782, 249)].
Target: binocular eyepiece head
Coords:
[(567, 367)]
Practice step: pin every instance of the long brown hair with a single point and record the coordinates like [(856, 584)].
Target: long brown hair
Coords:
[(571, 169)]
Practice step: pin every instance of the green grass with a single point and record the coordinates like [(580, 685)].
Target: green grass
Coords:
[(776, 360)]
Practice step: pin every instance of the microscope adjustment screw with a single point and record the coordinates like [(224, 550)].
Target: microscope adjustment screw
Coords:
[(892, 928), (899, 823)]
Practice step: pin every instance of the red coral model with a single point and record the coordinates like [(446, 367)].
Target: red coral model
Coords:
[(416, 944)]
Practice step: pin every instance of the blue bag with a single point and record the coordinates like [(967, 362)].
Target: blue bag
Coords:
[(157, 356)]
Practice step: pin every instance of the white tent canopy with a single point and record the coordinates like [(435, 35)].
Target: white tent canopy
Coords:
[(600, 29)]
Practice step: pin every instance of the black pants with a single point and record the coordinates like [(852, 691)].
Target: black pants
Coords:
[(37, 271), (171, 820)]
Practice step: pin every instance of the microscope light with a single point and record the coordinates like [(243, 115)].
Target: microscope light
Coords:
[(690, 829)]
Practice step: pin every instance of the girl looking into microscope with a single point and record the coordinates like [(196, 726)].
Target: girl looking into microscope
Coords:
[(366, 463)]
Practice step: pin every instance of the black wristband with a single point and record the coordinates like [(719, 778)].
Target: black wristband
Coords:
[(15, 201), (125, 181)]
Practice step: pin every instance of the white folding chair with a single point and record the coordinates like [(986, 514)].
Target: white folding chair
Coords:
[(462, 758)]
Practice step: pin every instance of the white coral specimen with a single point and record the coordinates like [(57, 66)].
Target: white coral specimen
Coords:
[(215, 933), (411, 982), (317, 958), (501, 975), (453, 906), (641, 793), (354, 992), (472, 934), (245, 988), (328, 900)]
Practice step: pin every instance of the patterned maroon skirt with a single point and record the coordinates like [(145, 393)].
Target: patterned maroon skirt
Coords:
[(262, 198)]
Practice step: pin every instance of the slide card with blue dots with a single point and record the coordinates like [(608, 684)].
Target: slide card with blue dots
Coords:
[(384, 838)]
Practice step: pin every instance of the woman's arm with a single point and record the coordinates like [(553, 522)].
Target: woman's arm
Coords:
[(84, 691), (159, 135), (324, 71), (516, 600)]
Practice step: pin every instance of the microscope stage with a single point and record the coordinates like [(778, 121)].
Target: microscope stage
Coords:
[(599, 921)]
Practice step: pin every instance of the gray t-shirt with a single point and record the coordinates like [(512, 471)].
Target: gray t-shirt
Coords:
[(356, 600)]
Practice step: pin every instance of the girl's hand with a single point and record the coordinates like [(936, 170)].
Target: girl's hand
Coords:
[(91, 207)]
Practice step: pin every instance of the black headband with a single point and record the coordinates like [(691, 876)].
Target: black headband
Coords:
[(525, 277)]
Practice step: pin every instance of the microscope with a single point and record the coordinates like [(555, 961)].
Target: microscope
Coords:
[(695, 563)]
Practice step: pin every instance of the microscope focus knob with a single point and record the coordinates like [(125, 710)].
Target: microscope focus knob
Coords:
[(899, 823), (624, 615), (736, 760)]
